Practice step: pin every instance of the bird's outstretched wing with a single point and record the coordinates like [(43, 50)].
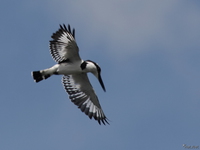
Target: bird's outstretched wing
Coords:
[(82, 94), (63, 47)]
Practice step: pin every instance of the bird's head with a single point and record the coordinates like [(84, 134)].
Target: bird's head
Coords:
[(94, 68)]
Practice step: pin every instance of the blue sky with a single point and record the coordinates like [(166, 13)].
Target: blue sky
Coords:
[(149, 55)]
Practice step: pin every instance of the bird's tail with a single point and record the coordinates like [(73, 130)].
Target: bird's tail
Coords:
[(38, 76)]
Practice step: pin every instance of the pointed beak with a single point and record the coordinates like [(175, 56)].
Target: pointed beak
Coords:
[(101, 82)]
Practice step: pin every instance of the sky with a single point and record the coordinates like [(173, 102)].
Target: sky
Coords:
[(149, 55)]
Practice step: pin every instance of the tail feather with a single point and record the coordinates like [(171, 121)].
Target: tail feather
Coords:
[(38, 76)]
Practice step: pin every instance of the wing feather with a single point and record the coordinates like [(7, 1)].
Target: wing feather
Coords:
[(63, 46), (82, 94)]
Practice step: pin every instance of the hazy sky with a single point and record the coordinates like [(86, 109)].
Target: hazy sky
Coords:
[(149, 54)]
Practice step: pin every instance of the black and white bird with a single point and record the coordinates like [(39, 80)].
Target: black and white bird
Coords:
[(65, 52)]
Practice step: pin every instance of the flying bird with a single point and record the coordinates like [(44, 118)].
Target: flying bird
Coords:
[(65, 52)]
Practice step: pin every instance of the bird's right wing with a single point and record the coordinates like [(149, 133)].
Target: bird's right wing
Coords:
[(82, 94)]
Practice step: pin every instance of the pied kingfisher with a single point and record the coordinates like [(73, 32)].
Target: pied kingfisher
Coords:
[(65, 52)]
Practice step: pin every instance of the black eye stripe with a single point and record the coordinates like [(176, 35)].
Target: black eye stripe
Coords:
[(83, 65)]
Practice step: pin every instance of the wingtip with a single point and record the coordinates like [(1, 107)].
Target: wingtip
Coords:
[(61, 27), (104, 121), (73, 33), (68, 29)]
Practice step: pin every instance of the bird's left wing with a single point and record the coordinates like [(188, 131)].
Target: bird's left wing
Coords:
[(82, 94), (63, 47)]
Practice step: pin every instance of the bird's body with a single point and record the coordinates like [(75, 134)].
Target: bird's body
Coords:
[(64, 68), (65, 52)]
